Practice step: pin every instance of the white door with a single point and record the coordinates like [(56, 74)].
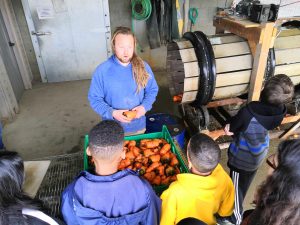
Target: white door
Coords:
[(70, 37)]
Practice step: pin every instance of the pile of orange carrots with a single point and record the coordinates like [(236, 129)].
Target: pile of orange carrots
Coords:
[(153, 159)]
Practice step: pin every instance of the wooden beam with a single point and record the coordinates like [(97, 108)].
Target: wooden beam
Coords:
[(191, 69), (231, 49), (224, 39), (230, 91), (260, 61), (184, 44), (227, 79), (188, 55), (223, 102), (243, 62), (289, 70), (287, 42), (290, 119), (290, 131), (243, 28), (291, 55)]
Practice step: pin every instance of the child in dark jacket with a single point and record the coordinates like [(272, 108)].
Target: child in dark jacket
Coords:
[(109, 196), (250, 135)]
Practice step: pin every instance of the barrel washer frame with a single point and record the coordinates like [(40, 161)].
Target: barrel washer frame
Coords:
[(201, 52), (212, 65)]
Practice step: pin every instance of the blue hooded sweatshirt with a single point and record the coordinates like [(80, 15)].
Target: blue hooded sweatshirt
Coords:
[(113, 87), (122, 198)]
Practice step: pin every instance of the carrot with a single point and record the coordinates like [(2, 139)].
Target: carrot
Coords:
[(127, 162), (170, 171), (130, 114), (173, 178), (152, 144), (163, 141), (125, 143), (160, 170), (131, 143), (154, 158), (143, 141), (155, 150), (177, 98), (156, 180), (177, 170), (148, 152), (130, 167), (165, 149), (143, 148), (145, 161), (166, 158), (138, 165), (125, 149), (139, 158), (149, 176), (136, 151), (122, 165), (174, 160), (165, 180), (130, 155), (153, 166)]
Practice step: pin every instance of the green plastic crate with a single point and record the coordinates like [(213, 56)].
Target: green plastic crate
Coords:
[(163, 134)]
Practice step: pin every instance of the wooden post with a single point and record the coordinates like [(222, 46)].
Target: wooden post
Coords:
[(260, 61)]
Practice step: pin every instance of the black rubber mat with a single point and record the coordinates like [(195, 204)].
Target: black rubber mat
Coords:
[(61, 172)]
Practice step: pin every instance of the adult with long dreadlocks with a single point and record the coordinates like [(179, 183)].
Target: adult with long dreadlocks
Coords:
[(123, 83)]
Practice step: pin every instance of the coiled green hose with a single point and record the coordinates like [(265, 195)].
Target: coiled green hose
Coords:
[(141, 9)]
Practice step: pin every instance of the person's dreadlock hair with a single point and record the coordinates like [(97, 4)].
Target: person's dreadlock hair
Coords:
[(140, 74)]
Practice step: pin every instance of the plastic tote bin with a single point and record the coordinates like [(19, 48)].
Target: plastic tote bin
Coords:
[(163, 134), (155, 122)]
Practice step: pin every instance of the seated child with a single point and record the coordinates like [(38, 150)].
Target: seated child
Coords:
[(109, 196), (16, 207), (203, 193)]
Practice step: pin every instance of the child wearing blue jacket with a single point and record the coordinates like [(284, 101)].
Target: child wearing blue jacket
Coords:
[(250, 135), (109, 196)]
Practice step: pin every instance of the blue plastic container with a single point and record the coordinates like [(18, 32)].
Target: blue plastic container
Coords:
[(154, 123)]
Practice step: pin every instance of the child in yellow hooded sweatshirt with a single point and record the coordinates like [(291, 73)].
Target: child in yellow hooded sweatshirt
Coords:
[(205, 192)]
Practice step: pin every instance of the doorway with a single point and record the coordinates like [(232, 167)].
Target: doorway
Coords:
[(70, 38)]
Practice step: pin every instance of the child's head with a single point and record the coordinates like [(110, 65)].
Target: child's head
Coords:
[(11, 177), (278, 89), (106, 140), (203, 153)]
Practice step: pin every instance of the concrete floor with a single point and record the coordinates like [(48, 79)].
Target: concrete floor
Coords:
[(54, 118)]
